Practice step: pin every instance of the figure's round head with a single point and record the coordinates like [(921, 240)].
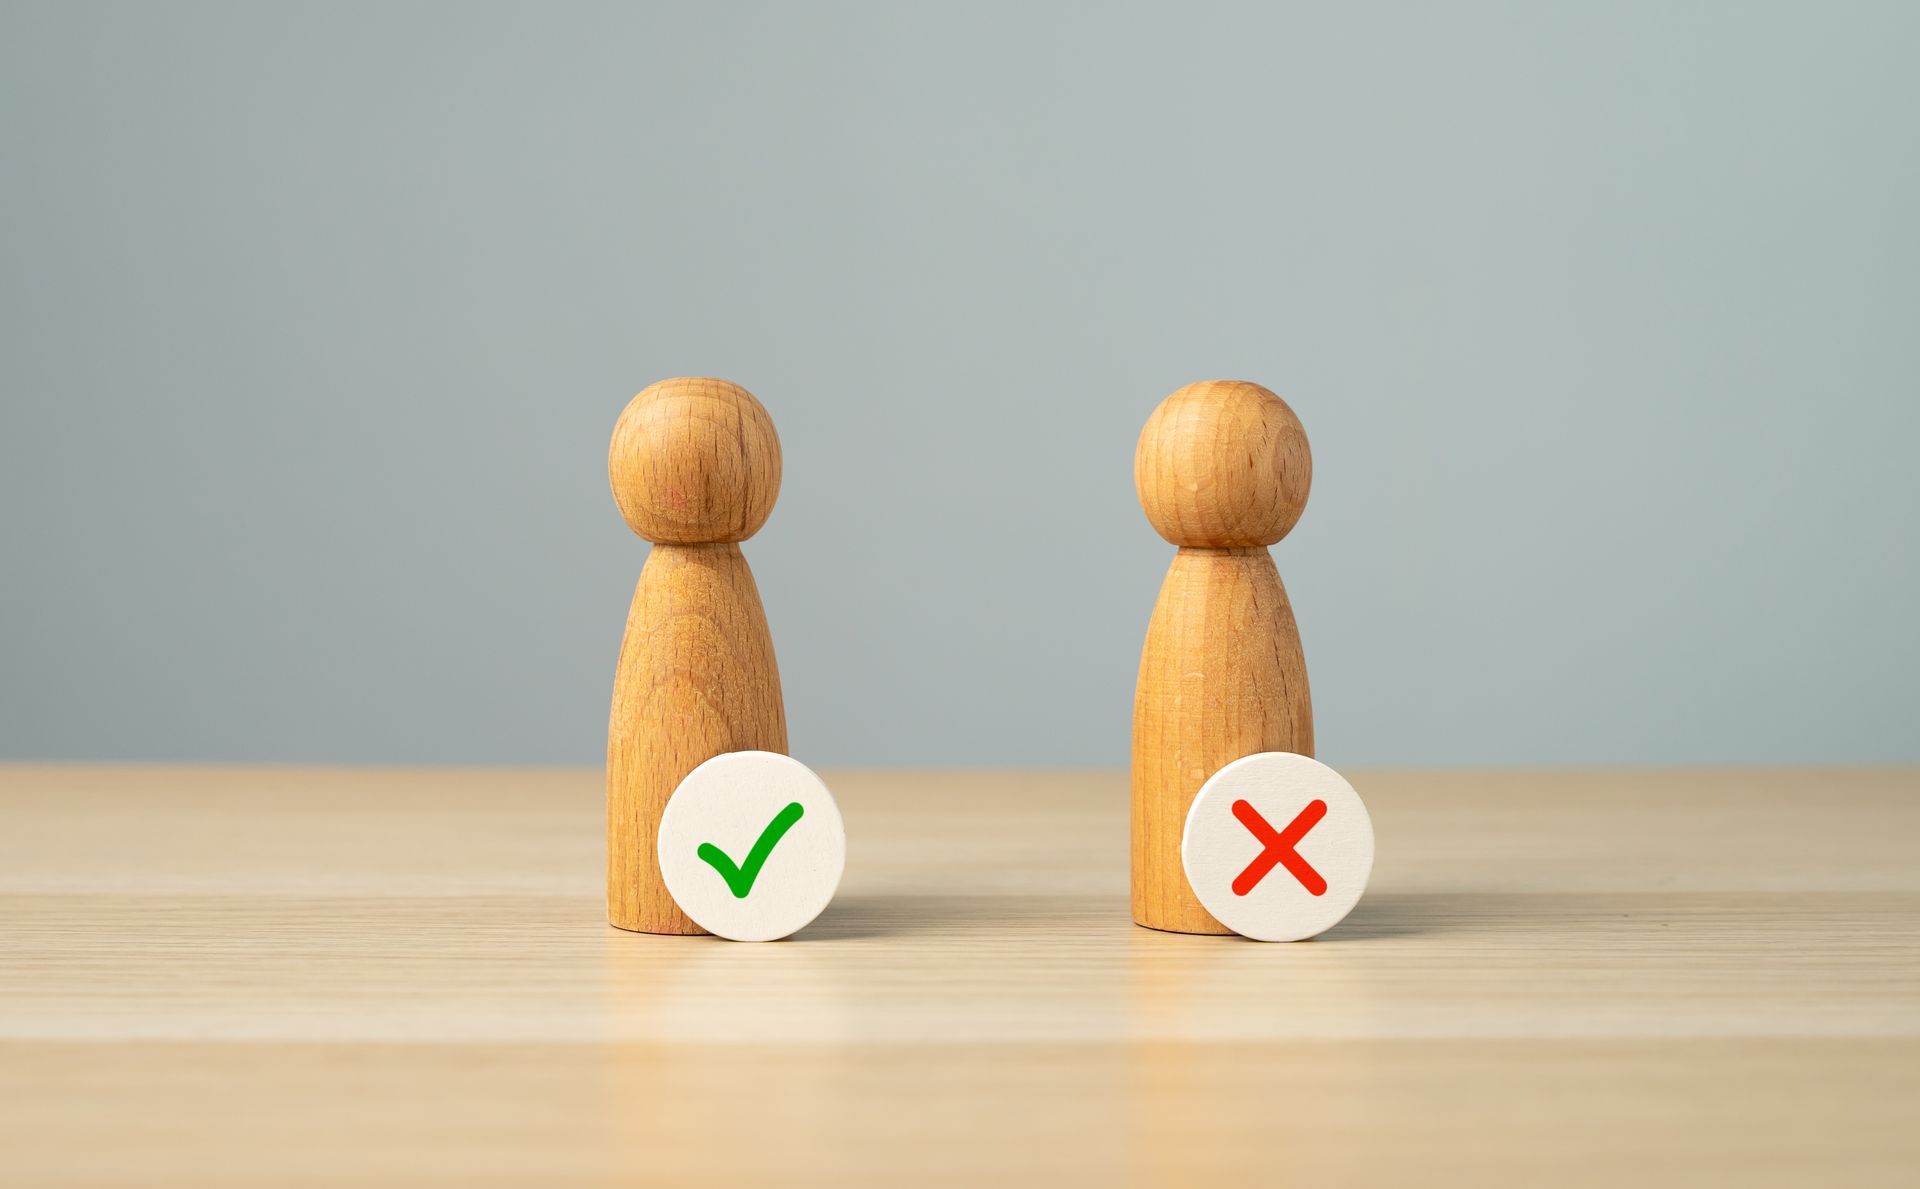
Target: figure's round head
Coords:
[(1223, 464), (694, 460)]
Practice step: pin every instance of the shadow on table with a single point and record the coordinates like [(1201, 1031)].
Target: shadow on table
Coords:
[(877, 915), (861, 917), (1428, 914), (1402, 914)]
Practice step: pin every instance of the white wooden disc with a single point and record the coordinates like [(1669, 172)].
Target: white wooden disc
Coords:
[(1236, 853), (724, 809)]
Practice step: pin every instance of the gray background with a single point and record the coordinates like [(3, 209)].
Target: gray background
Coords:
[(1604, 321)]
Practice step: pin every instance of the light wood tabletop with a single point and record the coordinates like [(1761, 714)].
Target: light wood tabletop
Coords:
[(301, 977)]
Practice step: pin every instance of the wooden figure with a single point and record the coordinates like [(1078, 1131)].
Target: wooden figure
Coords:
[(695, 468), (1222, 470)]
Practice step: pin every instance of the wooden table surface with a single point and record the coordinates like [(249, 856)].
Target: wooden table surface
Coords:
[(296, 976)]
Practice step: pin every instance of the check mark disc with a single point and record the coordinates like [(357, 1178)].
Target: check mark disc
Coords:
[(751, 846)]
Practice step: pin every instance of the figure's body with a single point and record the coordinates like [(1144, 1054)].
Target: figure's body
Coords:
[(695, 468), (1223, 471)]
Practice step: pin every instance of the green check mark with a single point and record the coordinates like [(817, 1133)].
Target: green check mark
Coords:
[(741, 878)]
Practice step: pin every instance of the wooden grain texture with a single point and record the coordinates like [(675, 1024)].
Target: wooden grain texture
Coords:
[(695, 467), (1221, 677), (1223, 471), (694, 460), (1223, 464), (240, 977)]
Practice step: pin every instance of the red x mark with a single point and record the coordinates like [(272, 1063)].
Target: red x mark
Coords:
[(1279, 846)]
